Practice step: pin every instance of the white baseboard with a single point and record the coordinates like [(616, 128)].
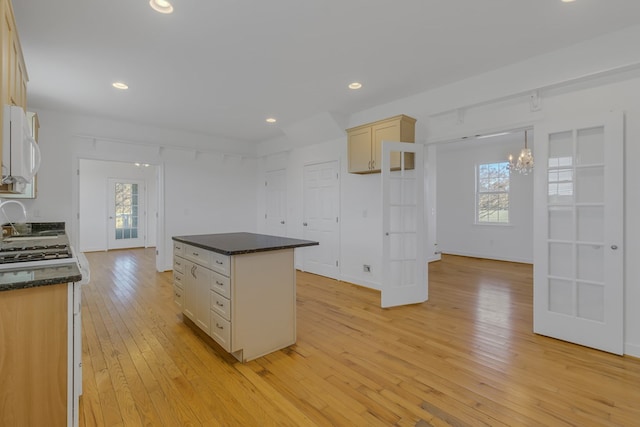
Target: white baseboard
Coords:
[(485, 256), (632, 349)]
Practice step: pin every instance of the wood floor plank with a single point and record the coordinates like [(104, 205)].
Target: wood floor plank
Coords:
[(466, 357)]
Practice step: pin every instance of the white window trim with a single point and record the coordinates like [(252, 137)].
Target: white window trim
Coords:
[(476, 199)]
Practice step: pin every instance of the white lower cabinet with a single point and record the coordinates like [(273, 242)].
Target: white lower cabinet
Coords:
[(245, 302)]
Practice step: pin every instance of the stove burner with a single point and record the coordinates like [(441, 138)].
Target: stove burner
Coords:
[(34, 253)]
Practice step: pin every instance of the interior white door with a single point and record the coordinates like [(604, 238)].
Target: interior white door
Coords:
[(276, 202), (404, 265), (126, 216), (321, 218), (578, 229)]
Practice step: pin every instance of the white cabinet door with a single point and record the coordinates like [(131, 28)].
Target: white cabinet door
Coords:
[(578, 232), (404, 265)]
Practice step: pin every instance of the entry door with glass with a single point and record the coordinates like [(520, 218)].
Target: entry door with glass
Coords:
[(578, 229), (126, 223)]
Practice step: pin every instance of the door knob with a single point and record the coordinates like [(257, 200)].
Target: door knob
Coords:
[(281, 222), (614, 247), (304, 224)]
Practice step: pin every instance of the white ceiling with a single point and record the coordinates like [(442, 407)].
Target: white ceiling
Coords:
[(220, 67)]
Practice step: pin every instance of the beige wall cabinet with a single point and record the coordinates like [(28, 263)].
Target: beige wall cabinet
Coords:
[(365, 143), (13, 78)]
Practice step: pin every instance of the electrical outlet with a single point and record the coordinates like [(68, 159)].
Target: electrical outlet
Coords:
[(366, 268)]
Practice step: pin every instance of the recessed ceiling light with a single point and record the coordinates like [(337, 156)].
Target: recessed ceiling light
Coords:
[(120, 85), (271, 120), (162, 6), (355, 85), (568, 1)]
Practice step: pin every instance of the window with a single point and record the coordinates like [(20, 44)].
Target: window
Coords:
[(492, 193)]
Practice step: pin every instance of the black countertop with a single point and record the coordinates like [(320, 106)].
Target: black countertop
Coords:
[(28, 277), (20, 278), (242, 243)]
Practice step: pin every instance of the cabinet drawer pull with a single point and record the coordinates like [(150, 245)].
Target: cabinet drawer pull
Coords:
[(219, 262), (177, 294), (373, 164), (178, 263), (219, 283), (218, 326), (195, 253), (219, 304)]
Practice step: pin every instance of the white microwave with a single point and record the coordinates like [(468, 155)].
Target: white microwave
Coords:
[(20, 152)]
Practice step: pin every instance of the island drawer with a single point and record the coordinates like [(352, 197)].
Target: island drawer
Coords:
[(178, 279), (178, 295), (178, 248), (221, 284), (221, 305), (198, 255), (220, 263), (178, 265), (221, 330)]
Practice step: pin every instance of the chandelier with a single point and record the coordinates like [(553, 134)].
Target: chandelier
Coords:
[(524, 165)]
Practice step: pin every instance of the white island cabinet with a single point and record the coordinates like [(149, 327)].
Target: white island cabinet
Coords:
[(239, 288)]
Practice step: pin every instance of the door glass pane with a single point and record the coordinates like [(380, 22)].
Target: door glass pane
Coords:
[(590, 185), (591, 262), (560, 260), (560, 224), (561, 296), (126, 210), (591, 301), (590, 146), (590, 223), (560, 162)]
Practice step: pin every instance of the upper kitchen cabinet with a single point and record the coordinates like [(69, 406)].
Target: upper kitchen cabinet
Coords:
[(13, 77), (14, 72), (365, 143)]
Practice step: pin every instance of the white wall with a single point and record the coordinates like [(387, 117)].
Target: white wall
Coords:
[(203, 191), (457, 231), (93, 198)]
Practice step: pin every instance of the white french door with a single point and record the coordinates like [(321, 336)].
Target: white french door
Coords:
[(126, 222), (321, 218), (404, 265), (578, 229), (276, 202)]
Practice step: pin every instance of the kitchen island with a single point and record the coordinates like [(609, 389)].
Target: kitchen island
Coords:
[(238, 288)]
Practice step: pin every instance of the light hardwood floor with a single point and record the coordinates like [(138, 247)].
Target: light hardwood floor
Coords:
[(467, 357)]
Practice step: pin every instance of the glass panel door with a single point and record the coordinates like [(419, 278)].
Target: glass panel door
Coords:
[(578, 283), (126, 216)]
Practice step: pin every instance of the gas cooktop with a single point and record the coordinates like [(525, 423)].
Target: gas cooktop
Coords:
[(35, 255)]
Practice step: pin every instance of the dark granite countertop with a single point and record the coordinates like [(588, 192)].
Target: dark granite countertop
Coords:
[(242, 243), (20, 278), (42, 234)]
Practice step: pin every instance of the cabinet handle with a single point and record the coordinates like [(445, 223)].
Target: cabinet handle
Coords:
[(304, 224), (373, 164), (219, 304), (218, 326), (219, 283), (369, 165), (177, 294), (281, 222), (219, 262), (193, 271), (195, 253), (178, 263)]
